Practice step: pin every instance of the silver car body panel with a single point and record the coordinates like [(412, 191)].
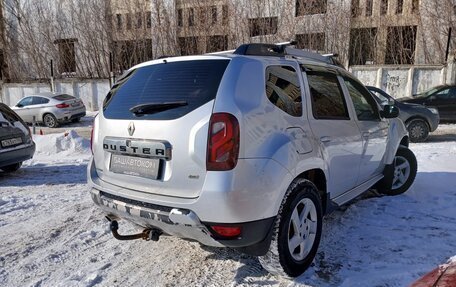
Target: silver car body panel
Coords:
[(38, 111), (275, 148)]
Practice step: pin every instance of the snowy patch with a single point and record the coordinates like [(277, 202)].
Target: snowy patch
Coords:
[(51, 234), (68, 143)]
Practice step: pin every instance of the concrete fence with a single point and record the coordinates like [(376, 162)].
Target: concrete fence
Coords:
[(398, 81), (404, 81), (91, 92)]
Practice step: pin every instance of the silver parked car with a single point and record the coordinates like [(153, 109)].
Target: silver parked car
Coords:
[(247, 150), (50, 108)]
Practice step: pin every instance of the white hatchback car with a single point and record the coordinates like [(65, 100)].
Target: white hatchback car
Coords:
[(50, 108), (246, 150)]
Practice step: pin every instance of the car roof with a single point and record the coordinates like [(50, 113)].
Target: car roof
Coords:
[(47, 94), (301, 56)]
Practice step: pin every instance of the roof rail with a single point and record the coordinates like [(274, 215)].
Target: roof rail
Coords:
[(282, 50), (233, 51)]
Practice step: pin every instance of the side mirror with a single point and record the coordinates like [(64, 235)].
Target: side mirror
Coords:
[(389, 112), (19, 105)]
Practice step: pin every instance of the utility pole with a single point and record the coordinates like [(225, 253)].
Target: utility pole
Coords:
[(448, 44), (112, 78), (52, 76)]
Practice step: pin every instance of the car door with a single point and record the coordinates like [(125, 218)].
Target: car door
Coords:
[(334, 128), (445, 101), (22, 108), (373, 129), (37, 106)]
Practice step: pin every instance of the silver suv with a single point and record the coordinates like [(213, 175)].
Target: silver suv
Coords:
[(248, 150)]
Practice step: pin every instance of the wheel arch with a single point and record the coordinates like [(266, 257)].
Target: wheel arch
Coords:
[(44, 114), (318, 177), (404, 141)]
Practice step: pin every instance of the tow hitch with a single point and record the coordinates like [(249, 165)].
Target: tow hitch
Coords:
[(147, 234)]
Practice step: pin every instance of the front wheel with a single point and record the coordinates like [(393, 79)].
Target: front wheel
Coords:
[(418, 131), (297, 231), (400, 175)]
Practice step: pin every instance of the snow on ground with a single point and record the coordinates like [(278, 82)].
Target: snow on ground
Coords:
[(52, 235)]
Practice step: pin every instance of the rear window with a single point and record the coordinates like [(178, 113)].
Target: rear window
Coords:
[(64, 97), (193, 82), (7, 115)]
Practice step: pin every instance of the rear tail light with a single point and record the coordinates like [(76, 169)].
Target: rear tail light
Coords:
[(223, 142), (62, 106), (226, 231)]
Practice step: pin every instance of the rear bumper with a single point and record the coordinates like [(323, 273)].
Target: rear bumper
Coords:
[(17, 155), (66, 115), (251, 208), (254, 239), (78, 115)]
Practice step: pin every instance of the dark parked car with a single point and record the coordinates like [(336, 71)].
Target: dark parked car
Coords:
[(442, 97), (418, 119), (16, 144)]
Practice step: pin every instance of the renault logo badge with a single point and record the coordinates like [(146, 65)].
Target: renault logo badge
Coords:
[(131, 128)]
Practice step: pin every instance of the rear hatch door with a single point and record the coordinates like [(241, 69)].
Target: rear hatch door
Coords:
[(152, 133)]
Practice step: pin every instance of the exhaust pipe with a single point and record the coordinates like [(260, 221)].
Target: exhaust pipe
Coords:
[(147, 234)]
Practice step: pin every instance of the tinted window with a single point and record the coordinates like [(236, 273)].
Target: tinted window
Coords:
[(25, 101), (365, 106), (379, 96), (382, 100), (282, 89), (195, 82), (64, 97), (452, 94), (6, 114), (39, 101), (327, 98), (446, 94)]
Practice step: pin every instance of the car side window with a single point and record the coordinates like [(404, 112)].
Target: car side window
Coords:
[(25, 102), (452, 93), (382, 100), (443, 94), (326, 96), (39, 101), (446, 94), (283, 89), (365, 106)]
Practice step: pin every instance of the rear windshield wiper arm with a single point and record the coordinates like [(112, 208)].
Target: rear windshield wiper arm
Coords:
[(150, 108)]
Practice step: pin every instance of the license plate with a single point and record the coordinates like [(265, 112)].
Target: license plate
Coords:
[(11, 142), (75, 105), (137, 166)]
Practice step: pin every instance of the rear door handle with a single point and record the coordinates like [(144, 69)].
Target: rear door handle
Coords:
[(325, 139)]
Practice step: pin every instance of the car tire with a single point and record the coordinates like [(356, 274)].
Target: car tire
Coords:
[(299, 225), (50, 121), (12, 167), (418, 130), (399, 175)]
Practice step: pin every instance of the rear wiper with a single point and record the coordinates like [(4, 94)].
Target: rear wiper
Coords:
[(150, 108)]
